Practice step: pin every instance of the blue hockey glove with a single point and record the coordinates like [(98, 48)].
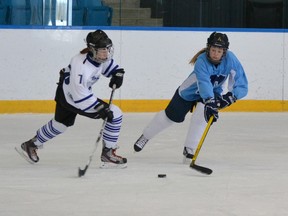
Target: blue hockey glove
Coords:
[(117, 78), (210, 109), (226, 100)]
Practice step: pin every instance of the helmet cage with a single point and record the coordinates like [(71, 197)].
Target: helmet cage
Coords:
[(95, 53)]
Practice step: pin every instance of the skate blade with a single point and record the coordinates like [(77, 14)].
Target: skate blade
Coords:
[(107, 165), (23, 155)]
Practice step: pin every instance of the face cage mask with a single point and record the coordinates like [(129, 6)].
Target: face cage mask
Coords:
[(110, 50)]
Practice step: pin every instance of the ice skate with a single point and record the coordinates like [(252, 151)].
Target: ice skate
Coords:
[(29, 151), (140, 143), (188, 155), (111, 160)]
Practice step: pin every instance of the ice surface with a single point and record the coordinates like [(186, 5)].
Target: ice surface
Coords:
[(248, 153)]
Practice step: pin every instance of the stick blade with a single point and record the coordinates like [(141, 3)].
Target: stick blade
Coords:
[(201, 169)]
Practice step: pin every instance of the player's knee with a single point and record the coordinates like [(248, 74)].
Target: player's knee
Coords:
[(67, 122), (174, 116), (117, 112)]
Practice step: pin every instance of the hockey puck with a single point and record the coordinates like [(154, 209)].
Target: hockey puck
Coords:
[(161, 175)]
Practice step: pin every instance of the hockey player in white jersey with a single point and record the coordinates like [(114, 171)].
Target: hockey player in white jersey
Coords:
[(75, 96), (203, 91)]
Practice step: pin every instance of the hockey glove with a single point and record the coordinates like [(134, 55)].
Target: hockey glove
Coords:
[(226, 100), (210, 109), (61, 77), (104, 112), (117, 78)]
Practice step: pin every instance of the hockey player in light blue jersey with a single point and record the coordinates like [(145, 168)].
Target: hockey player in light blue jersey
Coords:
[(74, 96), (203, 91)]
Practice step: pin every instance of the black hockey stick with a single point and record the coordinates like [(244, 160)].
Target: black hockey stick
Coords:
[(198, 168), (81, 172)]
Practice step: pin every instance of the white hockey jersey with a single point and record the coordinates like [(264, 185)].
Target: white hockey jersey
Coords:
[(79, 77)]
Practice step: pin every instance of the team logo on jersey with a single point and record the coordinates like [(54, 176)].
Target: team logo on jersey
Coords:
[(94, 78), (217, 80)]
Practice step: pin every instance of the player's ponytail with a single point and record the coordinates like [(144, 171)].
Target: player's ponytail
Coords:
[(193, 60), (85, 50)]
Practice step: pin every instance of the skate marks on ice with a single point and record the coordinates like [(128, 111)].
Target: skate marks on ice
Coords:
[(247, 152)]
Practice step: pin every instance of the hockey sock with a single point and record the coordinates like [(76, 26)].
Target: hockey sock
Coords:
[(49, 131), (112, 129), (159, 123), (196, 127)]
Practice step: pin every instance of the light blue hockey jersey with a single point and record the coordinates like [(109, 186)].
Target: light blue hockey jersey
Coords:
[(208, 80)]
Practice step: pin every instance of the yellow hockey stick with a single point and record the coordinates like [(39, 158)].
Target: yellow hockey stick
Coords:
[(201, 169)]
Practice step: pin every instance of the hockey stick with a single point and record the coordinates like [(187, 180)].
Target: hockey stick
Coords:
[(81, 172), (202, 169)]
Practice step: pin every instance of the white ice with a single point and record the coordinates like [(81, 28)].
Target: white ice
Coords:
[(248, 153)]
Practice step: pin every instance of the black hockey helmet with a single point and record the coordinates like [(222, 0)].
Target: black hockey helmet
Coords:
[(218, 40), (98, 39)]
